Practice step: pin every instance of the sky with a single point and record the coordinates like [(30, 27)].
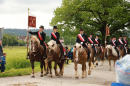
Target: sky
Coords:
[(14, 13)]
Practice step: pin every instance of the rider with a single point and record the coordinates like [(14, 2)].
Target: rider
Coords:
[(41, 36), (125, 43), (120, 41), (55, 36), (83, 39), (91, 40), (114, 43), (97, 42)]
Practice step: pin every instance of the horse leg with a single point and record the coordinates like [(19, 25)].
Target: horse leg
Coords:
[(62, 67), (55, 68), (110, 65), (41, 66), (45, 71), (83, 70), (49, 64), (76, 72), (89, 71), (32, 65), (92, 63)]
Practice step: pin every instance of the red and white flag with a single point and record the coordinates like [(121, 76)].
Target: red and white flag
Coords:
[(31, 21)]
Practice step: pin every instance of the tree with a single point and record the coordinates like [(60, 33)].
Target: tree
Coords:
[(47, 39), (93, 16)]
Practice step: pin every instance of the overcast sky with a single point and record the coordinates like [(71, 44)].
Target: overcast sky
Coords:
[(14, 13)]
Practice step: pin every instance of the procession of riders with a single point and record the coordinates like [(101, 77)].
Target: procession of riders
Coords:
[(82, 39)]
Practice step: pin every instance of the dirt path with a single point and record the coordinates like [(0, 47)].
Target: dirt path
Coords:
[(101, 76)]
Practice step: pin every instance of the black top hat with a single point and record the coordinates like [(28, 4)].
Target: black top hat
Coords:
[(55, 27), (81, 29), (41, 27), (114, 36), (120, 35), (91, 34)]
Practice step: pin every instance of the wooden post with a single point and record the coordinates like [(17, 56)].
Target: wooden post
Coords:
[(105, 40), (27, 35)]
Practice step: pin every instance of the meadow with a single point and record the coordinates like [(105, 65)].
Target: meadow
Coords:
[(16, 62)]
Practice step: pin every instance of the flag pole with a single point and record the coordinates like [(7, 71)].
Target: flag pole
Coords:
[(105, 41), (27, 34)]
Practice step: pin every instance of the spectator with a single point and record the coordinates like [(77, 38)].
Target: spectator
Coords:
[(3, 63), (1, 50), (66, 47), (69, 55)]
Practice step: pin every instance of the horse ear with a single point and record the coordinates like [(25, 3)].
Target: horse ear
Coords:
[(53, 45)]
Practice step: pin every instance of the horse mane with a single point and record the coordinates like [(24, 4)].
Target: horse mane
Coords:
[(113, 50), (34, 38), (50, 43)]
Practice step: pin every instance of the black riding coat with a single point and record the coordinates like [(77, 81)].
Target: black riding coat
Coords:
[(58, 36), (120, 43), (116, 43), (85, 37), (125, 42), (99, 41)]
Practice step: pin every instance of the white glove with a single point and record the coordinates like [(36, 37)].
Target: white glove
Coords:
[(91, 44), (114, 46), (95, 44), (81, 42)]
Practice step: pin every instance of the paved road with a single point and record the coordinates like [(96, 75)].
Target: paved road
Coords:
[(101, 76)]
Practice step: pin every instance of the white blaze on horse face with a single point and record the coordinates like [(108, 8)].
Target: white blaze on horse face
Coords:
[(76, 56), (33, 49)]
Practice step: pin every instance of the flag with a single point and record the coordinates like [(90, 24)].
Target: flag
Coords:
[(31, 21), (107, 31)]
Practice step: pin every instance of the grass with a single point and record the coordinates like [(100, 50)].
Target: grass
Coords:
[(16, 63)]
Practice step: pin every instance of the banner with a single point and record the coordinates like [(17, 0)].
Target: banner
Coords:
[(107, 31), (1, 33), (31, 21)]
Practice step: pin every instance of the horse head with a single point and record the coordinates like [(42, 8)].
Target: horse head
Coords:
[(78, 49), (34, 43), (50, 51)]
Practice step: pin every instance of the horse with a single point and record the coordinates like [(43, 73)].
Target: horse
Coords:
[(36, 54), (92, 55), (53, 53), (111, 55), (99, 53), (121, 51), (80, 57)]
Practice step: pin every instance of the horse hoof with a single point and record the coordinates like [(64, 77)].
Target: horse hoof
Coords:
[(109, 70), (56, 75), (41, 75), (76, 77), (83, 77), (61, 74), (96, 64), (32, 76)]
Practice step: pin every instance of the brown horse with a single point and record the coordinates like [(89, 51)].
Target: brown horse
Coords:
[(100, 54), (36, 54), (54, 54), (80, 57), (111, 54)]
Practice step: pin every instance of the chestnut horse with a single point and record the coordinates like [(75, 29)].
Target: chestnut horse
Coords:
[(80, 57), (100, 54), (53, 53), (36, 54), (111, 55)]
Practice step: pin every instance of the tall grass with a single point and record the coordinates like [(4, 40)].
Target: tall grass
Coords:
[(16, 63)]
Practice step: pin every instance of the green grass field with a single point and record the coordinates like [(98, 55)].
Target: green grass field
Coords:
[(16, 63)]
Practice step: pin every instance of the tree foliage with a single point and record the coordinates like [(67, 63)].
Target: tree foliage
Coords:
[(93, 16)]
